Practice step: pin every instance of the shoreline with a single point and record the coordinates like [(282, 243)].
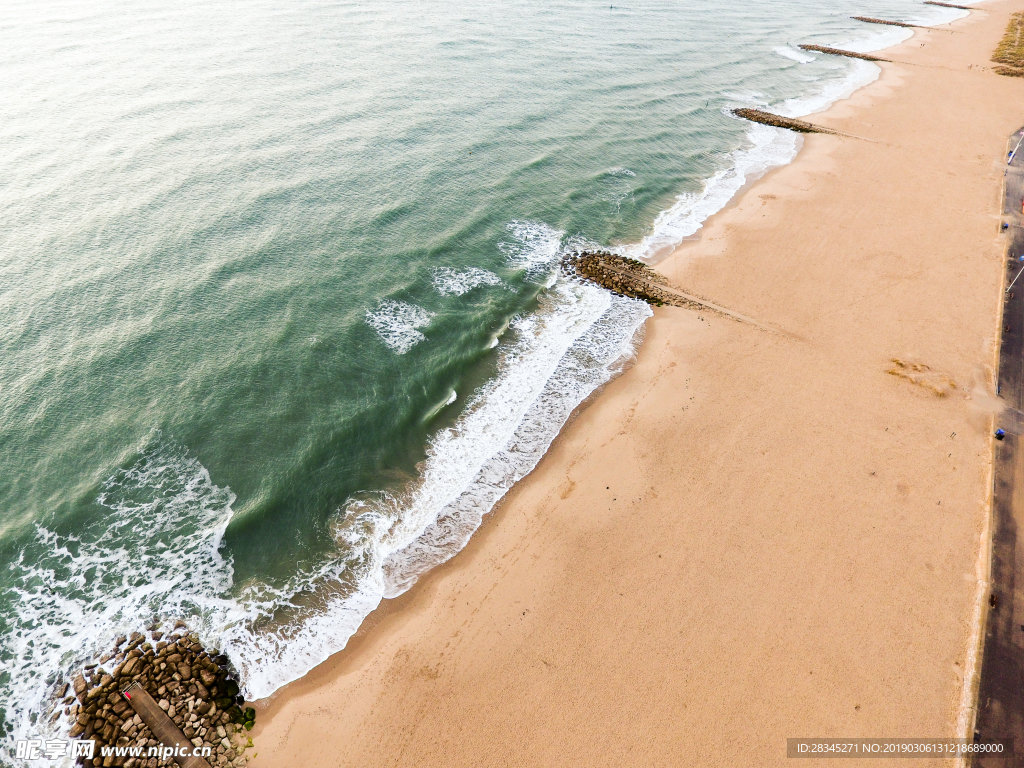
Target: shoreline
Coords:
[(689, 266)]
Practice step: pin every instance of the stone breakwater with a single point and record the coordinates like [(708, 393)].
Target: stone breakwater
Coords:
[(195, 687), (622, 276), (841, 52), (777, 121), (871, 20)]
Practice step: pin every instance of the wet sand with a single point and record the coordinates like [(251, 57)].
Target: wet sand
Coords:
[(745, 537)]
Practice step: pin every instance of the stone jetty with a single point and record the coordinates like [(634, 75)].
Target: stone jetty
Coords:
[(870, 20), (767, 118), (622, 276), (841, 52), (629, 277), (195, 687)]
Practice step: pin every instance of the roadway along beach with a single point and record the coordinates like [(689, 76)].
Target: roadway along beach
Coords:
[(745, 537)]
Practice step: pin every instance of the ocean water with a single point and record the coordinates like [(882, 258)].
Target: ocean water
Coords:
[(280, 319)]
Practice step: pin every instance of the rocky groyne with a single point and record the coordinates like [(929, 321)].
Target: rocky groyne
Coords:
[(841, 52), (195, 687), (622, 276), (767, 118), (629, 277), (870, 20)]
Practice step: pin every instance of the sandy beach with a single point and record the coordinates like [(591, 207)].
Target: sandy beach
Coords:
[(746, 536)]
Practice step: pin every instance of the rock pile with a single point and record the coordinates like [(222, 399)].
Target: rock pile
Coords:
[(621, 276), (870, 20), (195, 687), (767, 118), (841, 52)]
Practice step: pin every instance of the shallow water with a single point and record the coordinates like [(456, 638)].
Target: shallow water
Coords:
[(280, 319)]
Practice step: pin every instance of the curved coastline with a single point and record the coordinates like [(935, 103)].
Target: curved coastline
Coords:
[(398, 615), (429, 532), (769, 149)]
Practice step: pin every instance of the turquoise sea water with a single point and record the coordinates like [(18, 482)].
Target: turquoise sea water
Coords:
[(279, 316)]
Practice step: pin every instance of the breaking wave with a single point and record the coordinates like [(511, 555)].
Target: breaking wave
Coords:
[(153, 551), (155, 556), (451, 282), (766, 147), (794, 55), (397, 322)]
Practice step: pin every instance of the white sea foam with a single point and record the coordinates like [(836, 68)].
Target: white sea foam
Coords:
[(534, 248), (859, 74), (936, 15), (396, 323), (156, 551), (589, 362), (770, 147), (153, 551), (767, 147), (747, 97), (558, 355), (450, 282), (794, 54), (876, 40)]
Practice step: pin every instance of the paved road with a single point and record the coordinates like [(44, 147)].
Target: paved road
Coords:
[(1001, 690)]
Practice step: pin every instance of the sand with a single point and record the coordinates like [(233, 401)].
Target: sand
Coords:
[(745, 537)]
